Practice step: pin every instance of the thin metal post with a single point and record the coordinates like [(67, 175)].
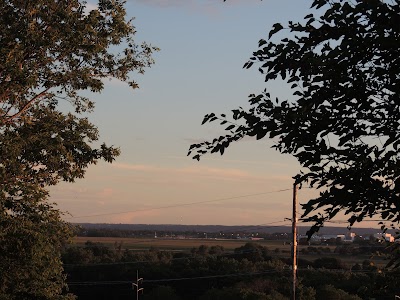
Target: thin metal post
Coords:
[(294, 243)]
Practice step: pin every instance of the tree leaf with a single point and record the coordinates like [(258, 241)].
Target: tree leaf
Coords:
[(275, 28)]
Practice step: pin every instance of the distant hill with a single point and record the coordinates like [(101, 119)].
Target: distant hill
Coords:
[(223, 228)]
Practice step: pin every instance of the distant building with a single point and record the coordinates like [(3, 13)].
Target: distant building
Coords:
[(384, 236), (327, 237), (349, 238), (341, 236)]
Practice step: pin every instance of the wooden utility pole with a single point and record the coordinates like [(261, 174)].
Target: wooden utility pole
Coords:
[(294, 243), (136, 285)]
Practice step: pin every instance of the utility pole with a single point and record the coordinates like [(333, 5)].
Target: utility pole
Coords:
[(294, 243), (136, 285)]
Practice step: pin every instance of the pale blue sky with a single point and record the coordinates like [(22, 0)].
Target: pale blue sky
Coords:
[(204, 44)]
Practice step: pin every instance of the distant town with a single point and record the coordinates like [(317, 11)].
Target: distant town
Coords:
[(327, 235)]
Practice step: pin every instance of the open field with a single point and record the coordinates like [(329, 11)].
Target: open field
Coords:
[(175, 244), (228, 244)]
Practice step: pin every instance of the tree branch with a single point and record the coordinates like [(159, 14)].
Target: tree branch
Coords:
[(25, 108)]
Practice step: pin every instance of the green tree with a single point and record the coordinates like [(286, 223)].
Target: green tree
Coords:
[(329, 263), (342, 122), (276, 296), (220, 294), (253, 252), (30, 241), (77, 255), (51, 50), (329, 292), (160, 293), (305, 292), (234, 294), (216, 250)]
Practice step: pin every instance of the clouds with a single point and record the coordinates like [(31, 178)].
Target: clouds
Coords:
[(208, 7), (127, 192), (135, 217), (203, 43), (226, 174), (139, 167)]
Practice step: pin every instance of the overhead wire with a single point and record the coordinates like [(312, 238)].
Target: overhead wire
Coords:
[(178, 205), (250, 274), (187, 278), (88, 283), (245, 228), (172, 279)]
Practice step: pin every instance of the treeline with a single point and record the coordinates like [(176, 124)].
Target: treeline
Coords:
[(231, 234), (250, 272)]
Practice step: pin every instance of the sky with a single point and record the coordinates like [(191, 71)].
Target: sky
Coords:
[(204, 44)]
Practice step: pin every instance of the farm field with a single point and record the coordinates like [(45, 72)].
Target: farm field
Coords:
[(175, 244), (229, 245)]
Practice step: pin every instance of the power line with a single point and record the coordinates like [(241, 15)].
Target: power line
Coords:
[(178, 205), (171, 279), (249, 227), (89, 283), (212, 276), (346, 221)]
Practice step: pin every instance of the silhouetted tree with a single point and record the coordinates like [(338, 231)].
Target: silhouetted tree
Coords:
[(342, 122)]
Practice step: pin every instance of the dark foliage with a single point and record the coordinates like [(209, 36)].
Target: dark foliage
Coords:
[(342, 124)]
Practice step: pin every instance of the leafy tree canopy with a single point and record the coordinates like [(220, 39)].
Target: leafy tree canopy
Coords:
[(50, 51), (31, 236), (343, 123)]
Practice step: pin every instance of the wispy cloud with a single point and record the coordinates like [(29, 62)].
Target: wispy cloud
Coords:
[(134, 189), (105, 193), (267, 141), (135, 217), (192, 170), (141, 167), (204, 171), (232, 174), (184, 173), (239, 161)]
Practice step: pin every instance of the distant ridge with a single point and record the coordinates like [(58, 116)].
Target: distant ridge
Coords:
[(224, 228)]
